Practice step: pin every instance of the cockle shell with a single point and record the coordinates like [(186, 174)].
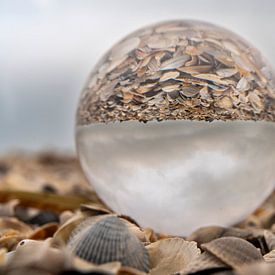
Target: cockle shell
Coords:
[(233, 251), (108, 240)]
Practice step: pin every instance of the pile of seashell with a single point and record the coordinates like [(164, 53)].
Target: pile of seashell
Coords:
[(179, 70), (93, 240)]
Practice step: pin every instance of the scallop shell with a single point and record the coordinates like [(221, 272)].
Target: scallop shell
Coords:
[(234, 252), (108, 240), (171, 255)]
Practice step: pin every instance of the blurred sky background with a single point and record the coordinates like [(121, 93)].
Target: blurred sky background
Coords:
[(48, 47)]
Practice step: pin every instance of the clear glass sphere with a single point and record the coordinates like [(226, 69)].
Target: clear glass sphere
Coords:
[(206, 154)]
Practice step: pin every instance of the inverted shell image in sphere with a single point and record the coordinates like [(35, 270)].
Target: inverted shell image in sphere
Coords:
[(175, 127)]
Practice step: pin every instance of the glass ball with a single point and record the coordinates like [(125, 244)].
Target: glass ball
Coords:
[(175, 127)]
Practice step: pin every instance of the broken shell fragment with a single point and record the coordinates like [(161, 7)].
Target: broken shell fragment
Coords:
[(177, 171), (109, 240)]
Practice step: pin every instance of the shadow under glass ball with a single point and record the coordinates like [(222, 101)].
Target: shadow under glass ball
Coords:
[(206, 152)]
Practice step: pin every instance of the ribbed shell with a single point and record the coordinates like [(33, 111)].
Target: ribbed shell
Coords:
[(233, 251), (205, 262), (109, 240)]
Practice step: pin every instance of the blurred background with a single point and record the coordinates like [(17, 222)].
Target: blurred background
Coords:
[(48, 47)]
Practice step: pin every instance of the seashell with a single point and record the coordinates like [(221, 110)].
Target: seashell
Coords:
[(65, 216), (132, 227), (83, 266), (174, 63), (195, 69), (3, 256), (93, 209), (270, 257), (8, 209), (63, 234), (243, 85), (209, 233), (44, 231), (89, 212), (189, 91), (169, 75), (226, 72), (171, 255), (12, 231), (268, 218), (126, 270), (9, 256), (205, 262), (39, 255), (251, 221), (261, 268), (108, 240), (233, 251), (150, 235), (225, 102), (269, 239), (13, 224)]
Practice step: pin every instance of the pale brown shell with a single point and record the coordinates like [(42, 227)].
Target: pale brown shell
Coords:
[(269, 239), (234, 252), (38, 255), (12, 231), (209, 233), (171, 255), (206, 262), (107, 240), (261, 268)]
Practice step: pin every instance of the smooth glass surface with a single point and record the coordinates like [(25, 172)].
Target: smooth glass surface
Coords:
[(176, 176)]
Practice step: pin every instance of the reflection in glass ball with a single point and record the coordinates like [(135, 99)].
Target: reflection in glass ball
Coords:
[(206, 152)]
